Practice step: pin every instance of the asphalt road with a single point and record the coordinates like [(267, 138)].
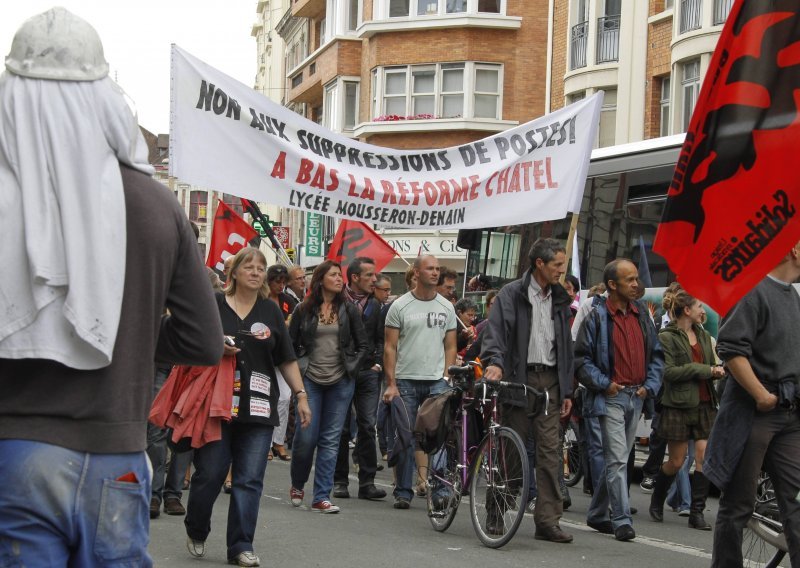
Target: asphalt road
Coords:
[(368, 533)]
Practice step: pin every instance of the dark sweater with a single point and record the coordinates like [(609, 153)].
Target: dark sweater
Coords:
[(764, 327), (105, 410)]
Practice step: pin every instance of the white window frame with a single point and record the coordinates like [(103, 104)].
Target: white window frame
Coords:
[(379, 97), (608, 108), (665, 106), (414, 7), (334, 102), (475, 92), (690, 89)]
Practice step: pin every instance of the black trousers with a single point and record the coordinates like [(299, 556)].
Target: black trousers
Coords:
[(774, 442), (365, 403)]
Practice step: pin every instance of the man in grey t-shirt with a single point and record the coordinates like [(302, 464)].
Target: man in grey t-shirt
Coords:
[(419, 345)]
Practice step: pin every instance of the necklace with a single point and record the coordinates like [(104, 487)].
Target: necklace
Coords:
[(329, 319)]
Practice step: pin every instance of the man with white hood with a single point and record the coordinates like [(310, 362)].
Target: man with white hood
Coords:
[(95, 249)]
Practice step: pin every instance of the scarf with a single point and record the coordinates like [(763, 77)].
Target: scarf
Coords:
[(359, 300)]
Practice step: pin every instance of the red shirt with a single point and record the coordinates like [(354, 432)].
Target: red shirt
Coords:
[(628, 345), (697, 357)]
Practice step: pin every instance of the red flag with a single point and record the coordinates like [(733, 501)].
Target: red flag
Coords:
[(231, 234), (353, 239), (731, 209)]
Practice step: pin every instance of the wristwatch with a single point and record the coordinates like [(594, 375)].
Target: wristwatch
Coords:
[(301, 391)]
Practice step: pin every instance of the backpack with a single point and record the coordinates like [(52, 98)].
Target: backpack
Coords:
[(434, 417)]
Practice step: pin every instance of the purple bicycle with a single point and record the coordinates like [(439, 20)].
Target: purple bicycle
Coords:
[(482, 459)]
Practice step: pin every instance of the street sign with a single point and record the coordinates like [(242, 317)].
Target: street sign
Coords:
[(282, 234), (314, 234)]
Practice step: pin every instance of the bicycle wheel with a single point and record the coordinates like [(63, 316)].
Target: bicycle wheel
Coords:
[(573, 465), (499, 483), (763, 541), (444, 482)]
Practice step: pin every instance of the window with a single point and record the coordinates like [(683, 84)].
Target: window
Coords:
[(198, 203), (234, 203), (340, 105), (608, 119), (489, 6), (394, 91), (352, 15), (575, 97), (423, 91), (582, 13), (437, 91), (613, 7), (664, 103), (690, 86), (452, 90), (398, 8), (669, 4), (425, 8), (487, 92), (350, 104)]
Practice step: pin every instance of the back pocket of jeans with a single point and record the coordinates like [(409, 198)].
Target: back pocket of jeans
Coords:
[(122, 530)]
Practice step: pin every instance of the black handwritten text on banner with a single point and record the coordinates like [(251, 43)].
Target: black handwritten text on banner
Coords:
[(228, 137)]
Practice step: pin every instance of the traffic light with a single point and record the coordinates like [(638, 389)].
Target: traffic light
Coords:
[(259, 229), (290, 254)]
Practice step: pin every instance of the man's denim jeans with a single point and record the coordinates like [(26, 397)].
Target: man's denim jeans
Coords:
[(329, 406), (68, 508), (244, 448), (413, 394), (618, 428)]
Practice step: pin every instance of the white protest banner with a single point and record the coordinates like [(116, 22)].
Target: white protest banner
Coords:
[(227, 136)]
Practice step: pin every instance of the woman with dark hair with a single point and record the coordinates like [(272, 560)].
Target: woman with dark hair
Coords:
[(688, 400), (257, 336), (329, 339)]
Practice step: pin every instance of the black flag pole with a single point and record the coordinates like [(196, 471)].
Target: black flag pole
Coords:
[(251, 207)]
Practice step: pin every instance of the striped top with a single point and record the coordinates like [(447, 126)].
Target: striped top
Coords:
[(628, 344), (542, 342)]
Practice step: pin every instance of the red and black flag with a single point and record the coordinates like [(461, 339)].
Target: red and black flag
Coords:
[(353, 239), (731, 209), (231, 234)]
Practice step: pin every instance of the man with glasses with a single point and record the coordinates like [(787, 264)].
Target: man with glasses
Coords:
[(296, 283), (383, 288)]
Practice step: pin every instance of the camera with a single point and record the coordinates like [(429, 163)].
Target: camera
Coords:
[(229, 340)]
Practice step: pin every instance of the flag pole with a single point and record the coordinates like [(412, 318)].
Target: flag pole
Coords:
[(573, 233)]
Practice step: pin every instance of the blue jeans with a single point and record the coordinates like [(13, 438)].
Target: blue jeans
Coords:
[(618, 428), (413, 394), (61, 507), (593, 437), (243, 448), (680, 493), (329, 405)]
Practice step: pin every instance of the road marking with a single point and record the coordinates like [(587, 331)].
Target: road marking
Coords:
[(648, 541)]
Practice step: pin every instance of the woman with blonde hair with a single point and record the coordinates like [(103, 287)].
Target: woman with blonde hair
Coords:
[(688, 400), (256, 335)]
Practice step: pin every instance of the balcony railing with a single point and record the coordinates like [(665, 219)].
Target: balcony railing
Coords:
[(690, 15), (607, 39), (578, 45), (721, 10)]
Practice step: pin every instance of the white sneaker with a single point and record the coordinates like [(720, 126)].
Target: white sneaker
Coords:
[(246, 558), (197, 548)]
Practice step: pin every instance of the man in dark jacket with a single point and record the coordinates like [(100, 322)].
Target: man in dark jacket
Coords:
[(620, 362), (529, 342), (359, 290), (758, 424)]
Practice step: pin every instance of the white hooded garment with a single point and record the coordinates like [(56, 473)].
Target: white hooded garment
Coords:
[(62, 217)]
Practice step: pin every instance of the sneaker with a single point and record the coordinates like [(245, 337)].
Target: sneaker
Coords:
[(324, 507), (173, 506), (197, 548), (531, 506), (340, 491), (647, 484), (246, 558), (624, 532), (385, 456), (351, 444), (155, 508), (684, 512), (296, 496), (401, 503)]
